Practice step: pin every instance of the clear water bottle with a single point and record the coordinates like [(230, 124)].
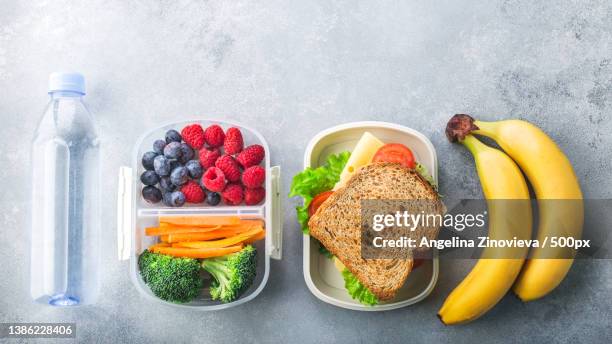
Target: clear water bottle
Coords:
[(65, 198)]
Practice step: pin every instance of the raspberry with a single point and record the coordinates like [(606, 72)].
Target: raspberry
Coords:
[(254, 196), (208, 157), (233, 193), (193, 192), (214, 179), (193, 135), (230, 168), (253, 176), (233, 143), (214, 136), (250, 156)]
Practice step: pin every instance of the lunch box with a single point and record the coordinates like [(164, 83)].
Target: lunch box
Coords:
[(135, 214), (320, 274)]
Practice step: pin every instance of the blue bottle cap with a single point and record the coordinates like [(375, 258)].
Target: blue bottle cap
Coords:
[(69, 82)]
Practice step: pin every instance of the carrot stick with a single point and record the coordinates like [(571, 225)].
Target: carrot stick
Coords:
[(173, 225), (212, 235), (243, 227), (255, 237), (166, 228), (162, 230), (159, 244), (247, 222), (200, 220), (197, 252), (236, 239)]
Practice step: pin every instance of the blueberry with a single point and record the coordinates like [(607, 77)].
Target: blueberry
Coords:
[(186, 153), (147, 160), (174, 164), (177, 199), (149, 178), (179, 176), (166, 185), (173, 150), (213, 198), (194, 168), (158, 146), (162, 165), (166, 199), (173, 136), (151, 194)]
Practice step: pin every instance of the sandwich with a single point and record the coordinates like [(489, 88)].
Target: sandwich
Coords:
[(337, 223), (331, 212)]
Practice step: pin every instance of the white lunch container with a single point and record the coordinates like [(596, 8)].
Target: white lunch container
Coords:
[(322, 277), (135, 214)]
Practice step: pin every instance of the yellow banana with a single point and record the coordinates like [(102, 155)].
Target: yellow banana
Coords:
[(493, 276), (560, 205)]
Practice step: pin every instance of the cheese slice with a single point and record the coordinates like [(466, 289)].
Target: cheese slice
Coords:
[(338, 264), (362, 155)]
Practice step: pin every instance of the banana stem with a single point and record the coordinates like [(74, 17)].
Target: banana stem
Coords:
[(473, 144), (459, 126), (462, 125), (487, 129)]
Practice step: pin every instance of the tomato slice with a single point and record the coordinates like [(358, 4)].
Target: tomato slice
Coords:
[(317, 201), (395, 152)]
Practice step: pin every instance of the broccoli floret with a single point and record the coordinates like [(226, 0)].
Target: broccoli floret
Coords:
[(172, 279), (232, 274)]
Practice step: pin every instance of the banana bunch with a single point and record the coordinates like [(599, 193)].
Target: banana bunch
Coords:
[(553, 180)]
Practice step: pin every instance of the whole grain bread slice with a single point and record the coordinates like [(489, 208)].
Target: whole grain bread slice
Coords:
[(337, 223)]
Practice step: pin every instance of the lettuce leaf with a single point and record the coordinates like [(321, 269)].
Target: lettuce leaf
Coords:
[(324, 251), (357, 290), (313, 181), (424, 172)]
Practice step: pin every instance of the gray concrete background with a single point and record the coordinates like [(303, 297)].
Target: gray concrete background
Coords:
[(291, 69)]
